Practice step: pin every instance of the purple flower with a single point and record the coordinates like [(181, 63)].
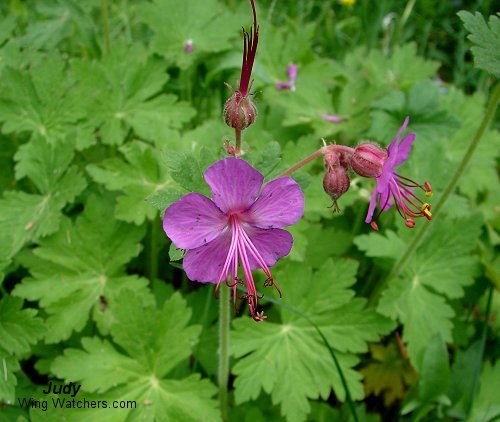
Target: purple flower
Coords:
[(292, 71), (243, 223), (391, 187), (188, 46), (332, 118)]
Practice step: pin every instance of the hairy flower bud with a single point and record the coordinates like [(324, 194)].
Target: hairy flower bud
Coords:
[(239, 111), (336, 181), (368, 160)]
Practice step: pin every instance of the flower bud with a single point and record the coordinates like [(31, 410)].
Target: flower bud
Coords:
[(368, 160), (336, 181), (239, 111)]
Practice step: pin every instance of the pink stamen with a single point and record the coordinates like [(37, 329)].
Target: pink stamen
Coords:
[(240, 248)]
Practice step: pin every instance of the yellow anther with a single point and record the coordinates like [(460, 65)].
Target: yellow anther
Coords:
[(428, 193), (427, 213), (425, 206)]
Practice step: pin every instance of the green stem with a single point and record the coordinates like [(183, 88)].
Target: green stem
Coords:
[(153, 250), (224, 332), (400, 264), (238, 142), (404, 18), (105, 24)]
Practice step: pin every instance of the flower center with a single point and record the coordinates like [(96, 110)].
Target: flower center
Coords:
[(408, 204), (242, 249)]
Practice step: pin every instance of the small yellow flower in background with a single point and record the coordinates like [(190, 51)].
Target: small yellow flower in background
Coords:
[(347, 2)]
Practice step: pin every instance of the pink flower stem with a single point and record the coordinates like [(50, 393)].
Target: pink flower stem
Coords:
[(322, 151)]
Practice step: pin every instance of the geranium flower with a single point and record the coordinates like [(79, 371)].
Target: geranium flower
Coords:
[(291, 71), (369, 160), (241, 224)]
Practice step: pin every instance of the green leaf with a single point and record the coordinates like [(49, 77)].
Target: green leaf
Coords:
[(124, 92), (428, 119), (27, 217), (139, 371), (23, 218), (486, 406), (174, 253), (48, 167), (435, 370), (186, 170), (480, 176), (288, 359), (267, 160), (311, 98), (57, 21), (418, 298), (373, 76), (86, 261), (207, 25), (486, 40), (466, 369), (140, 177), (9, 365), (18, 328), (43, 102)]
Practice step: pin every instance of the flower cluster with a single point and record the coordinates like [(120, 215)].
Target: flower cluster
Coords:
[(371, 160)]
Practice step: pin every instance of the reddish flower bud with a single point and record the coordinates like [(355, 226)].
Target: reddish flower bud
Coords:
[(368, 160), (239, 111), (336, 181)]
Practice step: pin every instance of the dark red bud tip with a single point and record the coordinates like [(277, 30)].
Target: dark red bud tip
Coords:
[(368, 160), (374, 226), (410, 223), (239, 111)]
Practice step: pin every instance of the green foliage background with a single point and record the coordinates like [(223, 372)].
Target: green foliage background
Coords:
[(106, 120)]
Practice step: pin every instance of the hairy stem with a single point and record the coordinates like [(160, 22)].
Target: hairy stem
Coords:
[(105, 25), (237, 148), (224, 332), (400, 264), (324, 150)]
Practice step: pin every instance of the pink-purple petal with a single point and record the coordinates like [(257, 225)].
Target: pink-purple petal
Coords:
[(404, 149), (235, 184), (272, 245), (204, 264), (371, 208), (402, 129), (280, 204), (193, 220)]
